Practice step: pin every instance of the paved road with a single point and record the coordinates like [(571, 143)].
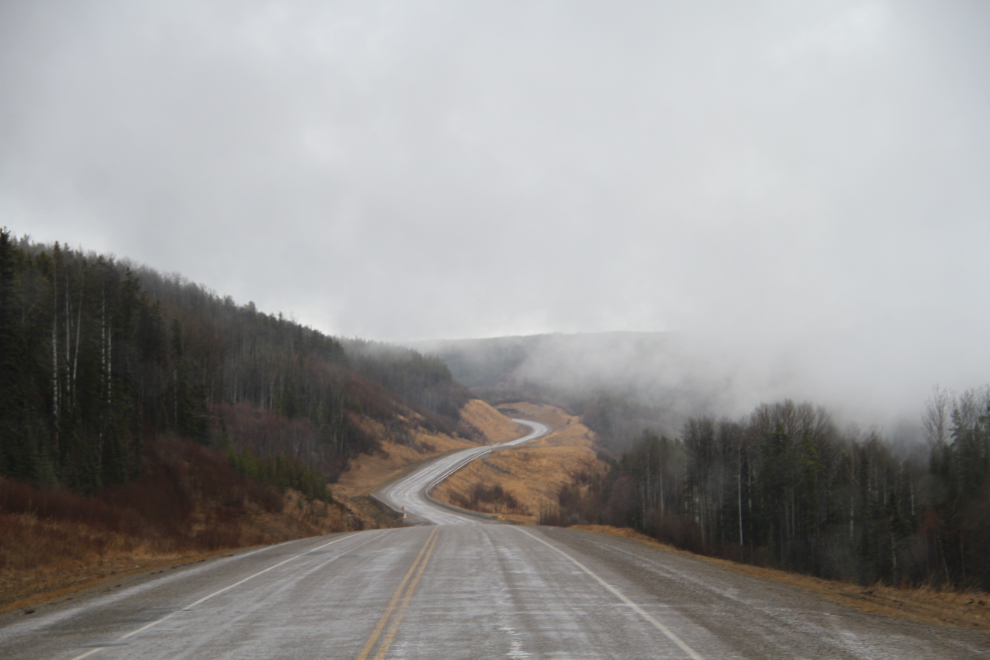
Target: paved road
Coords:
[(410, 494), (463, 591)]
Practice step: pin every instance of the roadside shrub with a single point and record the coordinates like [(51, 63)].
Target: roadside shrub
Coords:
[(488, 498)]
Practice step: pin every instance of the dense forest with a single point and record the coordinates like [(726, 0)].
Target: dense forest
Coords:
[(99, 356), (784, 487)]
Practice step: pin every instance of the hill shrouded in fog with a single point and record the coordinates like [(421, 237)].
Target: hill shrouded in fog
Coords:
[(628, 381), (721, 458)]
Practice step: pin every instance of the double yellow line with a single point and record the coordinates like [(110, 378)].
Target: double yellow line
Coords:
[(418, 567)]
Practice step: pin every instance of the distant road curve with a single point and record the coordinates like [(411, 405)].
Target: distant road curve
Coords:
[(409, 494)]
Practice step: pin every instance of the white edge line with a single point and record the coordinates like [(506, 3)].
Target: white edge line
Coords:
[(206, 598), (618, 594)]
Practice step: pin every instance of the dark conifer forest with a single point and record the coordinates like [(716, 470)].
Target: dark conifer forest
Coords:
[(99, 357), (786, 488)]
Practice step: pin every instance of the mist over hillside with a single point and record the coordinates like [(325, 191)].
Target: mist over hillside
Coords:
[(660, 379)]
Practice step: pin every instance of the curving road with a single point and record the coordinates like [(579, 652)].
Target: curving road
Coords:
[(410, 494), (462, 591)]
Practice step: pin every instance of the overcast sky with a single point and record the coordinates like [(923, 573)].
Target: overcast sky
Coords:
[(808, 180)]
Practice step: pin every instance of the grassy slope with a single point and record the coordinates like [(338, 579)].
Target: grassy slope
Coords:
[(370, 472), (187, 504), (530, 475)]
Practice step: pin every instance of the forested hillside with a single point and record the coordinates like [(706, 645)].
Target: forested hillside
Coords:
[(422, 380), (100, 356), (785, 487)]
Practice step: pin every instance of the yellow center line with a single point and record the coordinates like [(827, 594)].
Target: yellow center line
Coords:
[(387, 642), (395, 599)]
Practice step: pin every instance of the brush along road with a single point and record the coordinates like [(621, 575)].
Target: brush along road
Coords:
[(463, 591)]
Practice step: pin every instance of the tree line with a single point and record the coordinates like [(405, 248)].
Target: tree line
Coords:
[(785, 487), (99, 355)]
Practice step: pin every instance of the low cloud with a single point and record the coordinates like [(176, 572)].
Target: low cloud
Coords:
[(800, 189)]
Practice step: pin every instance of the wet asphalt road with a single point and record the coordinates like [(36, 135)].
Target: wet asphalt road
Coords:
[(410, 494), (463, 591)]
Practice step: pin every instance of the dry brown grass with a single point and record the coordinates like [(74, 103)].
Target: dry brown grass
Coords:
[(42, 559), (552, 416), (188, 504), (491, 423), (369, 472), (966, 609), (50, 559), (531, 474)]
